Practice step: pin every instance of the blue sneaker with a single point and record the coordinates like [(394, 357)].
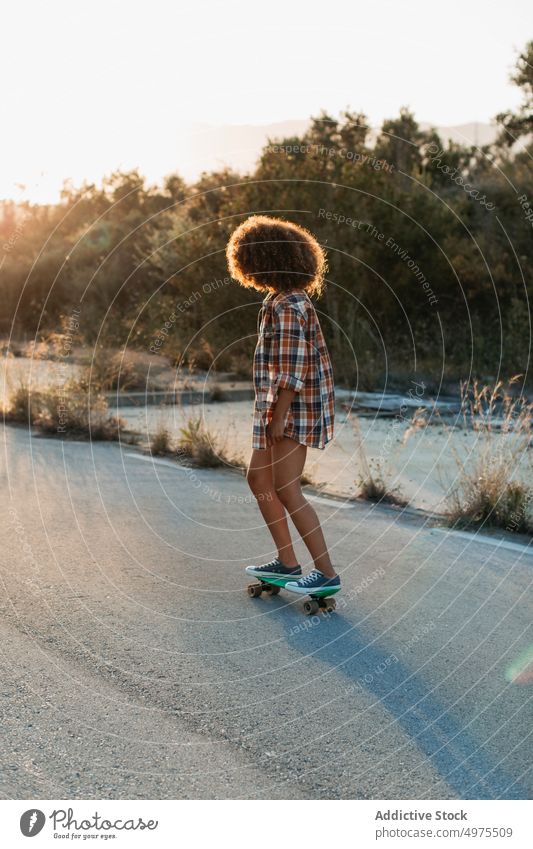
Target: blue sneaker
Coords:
[(316, 583), (274, 569)]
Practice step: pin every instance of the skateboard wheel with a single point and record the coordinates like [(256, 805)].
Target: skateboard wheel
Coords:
[(331, 605), (272, 589), (255, 590), (311, 607)]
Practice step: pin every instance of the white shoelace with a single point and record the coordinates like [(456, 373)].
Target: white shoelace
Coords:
[(310, 578), (268, 567)]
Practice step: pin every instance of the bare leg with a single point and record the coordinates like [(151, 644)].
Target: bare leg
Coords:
[(288, 462), (261, 481)]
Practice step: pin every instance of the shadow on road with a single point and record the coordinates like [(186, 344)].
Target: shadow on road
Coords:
[(453, 751)]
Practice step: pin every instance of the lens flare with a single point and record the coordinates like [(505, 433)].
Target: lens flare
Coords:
[(521, 669)]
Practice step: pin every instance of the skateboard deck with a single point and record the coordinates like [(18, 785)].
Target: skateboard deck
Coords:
[(319, 600)]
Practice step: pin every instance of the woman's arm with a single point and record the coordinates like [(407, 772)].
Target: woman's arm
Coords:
[(276, 426), (290, 348), (290, 357)]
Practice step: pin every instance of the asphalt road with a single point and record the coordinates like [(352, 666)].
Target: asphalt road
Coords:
[(135, 666)]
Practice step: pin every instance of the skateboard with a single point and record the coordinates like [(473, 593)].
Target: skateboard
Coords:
[(321, 600)]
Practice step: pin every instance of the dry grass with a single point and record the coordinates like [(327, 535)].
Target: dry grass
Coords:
[(487, 491), (161, 442), (21, 405), (374, 486), (202, 448), (373, 483), (114, 371), (419, 421), (199, 446), (75, 409), (107, 369)]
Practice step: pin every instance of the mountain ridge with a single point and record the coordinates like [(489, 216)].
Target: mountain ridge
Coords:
[(213, 147)]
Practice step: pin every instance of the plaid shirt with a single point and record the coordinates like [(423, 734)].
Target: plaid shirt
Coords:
[(291, 354)]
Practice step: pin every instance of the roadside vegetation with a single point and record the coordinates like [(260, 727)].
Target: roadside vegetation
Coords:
[(161, 441), (74, 409), (373, 481), (493, 486), (201, 447)]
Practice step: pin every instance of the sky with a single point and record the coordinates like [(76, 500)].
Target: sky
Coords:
[(88, 87)]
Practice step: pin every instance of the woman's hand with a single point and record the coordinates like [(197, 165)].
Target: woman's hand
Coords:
[(275, 430), (276, 427)]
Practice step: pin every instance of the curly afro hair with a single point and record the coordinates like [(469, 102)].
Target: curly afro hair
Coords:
[(275, 255)]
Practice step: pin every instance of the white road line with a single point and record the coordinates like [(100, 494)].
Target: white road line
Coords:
[(499, 543), (349, 505), (156, 462), (331, 502)]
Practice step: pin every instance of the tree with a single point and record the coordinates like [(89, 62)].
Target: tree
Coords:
[(399, 142), (517, 124)]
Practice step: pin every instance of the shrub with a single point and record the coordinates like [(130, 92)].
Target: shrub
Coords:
[(110, 371), (486, 491), (373, 486), (372, 483), (197, 444), (21, 405), (73, 409), (161, 441)]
